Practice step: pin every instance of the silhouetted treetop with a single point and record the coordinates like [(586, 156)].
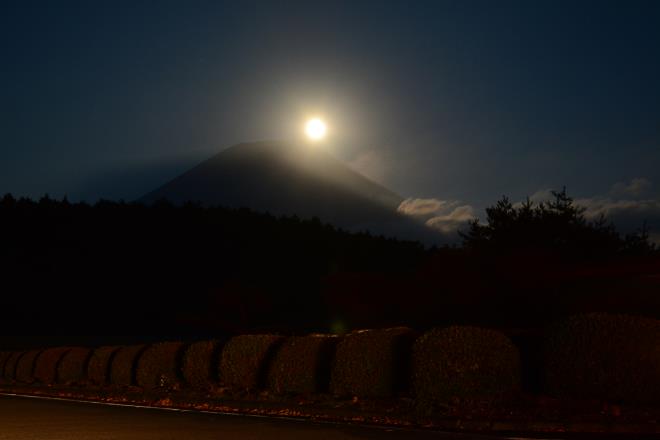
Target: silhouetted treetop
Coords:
[(557, 226)]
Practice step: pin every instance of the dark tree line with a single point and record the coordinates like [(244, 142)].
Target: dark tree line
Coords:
[(558, 226), (126, 268), (133, 272)]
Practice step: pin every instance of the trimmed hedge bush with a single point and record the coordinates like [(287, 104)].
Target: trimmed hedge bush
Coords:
[(373, 363), (73, 366), (4, 356), (463, 362), (244, 360), (603, 356), (11, 364), (25, 366), (98, 367), (302, 364), (200, 364), (45, 368), (159, 366), (124, 364)]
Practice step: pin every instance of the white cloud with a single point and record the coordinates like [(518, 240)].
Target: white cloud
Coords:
[(636, 188), (622, 205), (626, 214), (542, 195), (442, 215), (627, 211), (453, 221), (424, 207), (610, 207)]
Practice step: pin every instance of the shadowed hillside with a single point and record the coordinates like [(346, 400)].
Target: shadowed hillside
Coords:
[(288, 179)]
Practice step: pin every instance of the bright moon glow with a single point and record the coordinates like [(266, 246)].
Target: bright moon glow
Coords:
[(315, 129)]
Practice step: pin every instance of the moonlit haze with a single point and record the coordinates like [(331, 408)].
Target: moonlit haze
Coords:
[(449, 103), (425, 214)]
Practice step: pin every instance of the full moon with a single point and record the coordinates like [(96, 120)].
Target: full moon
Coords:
[(315, 129)]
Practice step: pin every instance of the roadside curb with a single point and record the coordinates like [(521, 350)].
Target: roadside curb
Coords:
[(300, 412)]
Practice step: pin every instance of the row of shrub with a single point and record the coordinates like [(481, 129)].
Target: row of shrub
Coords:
[(594, 356)]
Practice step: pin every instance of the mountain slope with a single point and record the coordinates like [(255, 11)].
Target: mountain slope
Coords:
[(287, 179)]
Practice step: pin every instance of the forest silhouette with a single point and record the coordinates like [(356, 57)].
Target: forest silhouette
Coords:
[(557, 226), (116, 271)]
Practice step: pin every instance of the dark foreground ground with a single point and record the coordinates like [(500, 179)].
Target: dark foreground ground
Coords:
[(23, 418)]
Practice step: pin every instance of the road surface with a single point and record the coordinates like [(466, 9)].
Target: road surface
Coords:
[(24, 418)]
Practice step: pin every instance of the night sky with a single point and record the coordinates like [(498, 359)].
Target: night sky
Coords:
[(455, 101)]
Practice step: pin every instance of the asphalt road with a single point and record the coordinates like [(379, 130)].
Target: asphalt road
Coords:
[(23, 418)]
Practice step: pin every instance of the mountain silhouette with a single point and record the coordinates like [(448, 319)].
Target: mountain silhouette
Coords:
[(291, 179)]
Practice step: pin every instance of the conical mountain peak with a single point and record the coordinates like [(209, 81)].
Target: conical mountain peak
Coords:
[(285, 178)]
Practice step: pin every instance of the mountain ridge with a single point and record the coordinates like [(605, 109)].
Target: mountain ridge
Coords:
[(292, 179)]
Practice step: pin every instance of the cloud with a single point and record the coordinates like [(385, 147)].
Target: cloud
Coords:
[(636, 188), (627, 215), (446, 216), (424, 207), (451, 222), (623, 206), (542, 195), (654, 237), (609, 207)]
